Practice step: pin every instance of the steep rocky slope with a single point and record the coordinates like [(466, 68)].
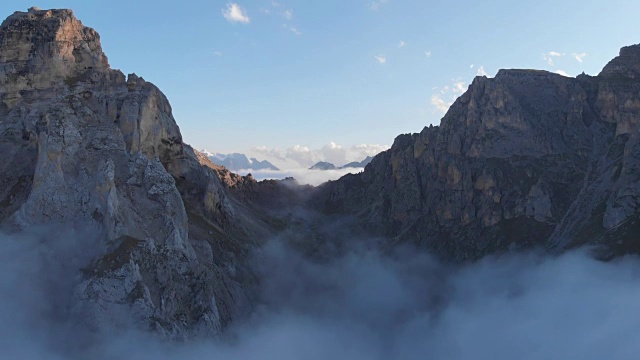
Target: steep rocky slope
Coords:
[(84, 146), (526, 158)]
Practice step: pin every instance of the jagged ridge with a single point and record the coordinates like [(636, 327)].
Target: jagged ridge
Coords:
[(85, 146), (528, 158)]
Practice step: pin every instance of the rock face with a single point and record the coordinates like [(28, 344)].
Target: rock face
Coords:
[(525, 158), (83, 145)]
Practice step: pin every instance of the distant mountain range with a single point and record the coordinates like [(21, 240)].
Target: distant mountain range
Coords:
[(237, 162), (323, 165)]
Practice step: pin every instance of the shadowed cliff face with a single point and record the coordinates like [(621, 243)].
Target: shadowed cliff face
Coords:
[(528, 158), (83, 145)]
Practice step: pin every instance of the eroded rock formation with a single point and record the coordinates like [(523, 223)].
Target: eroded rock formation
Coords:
[(526, 158), (83, 145)]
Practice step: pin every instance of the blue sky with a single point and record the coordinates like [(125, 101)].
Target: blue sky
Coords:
[(286, 73)]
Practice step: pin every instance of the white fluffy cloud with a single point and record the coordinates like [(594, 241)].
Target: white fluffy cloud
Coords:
[(334, 153), (235, 13), (447, 95), (548, 57), (381, 59), (303, 155), (482, 71), (459, 87), (427, 54), (563, 73), (439, 103)]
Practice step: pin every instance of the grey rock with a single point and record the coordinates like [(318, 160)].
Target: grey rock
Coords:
[(528, 158), (83, 144)]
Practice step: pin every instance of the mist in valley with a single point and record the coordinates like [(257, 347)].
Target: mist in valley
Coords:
[(302, 176), (361, 304)]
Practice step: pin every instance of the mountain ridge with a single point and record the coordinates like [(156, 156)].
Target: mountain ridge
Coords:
[(323, 165), (85, 146), (527, 152), (526, 159), (237, 162)]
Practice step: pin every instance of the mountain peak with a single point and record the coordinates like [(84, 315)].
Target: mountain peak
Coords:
[(42, 47), (627, 63), (323, 165)]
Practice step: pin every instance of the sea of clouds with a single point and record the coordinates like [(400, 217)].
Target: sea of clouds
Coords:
[(302, 176), (357, 305)]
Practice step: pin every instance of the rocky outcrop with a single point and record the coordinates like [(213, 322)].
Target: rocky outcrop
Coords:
[(526, 158), (84, 145)]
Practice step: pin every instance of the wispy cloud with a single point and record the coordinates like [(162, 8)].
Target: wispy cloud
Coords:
[(446, 95), (563, 73), (235, 13), (381, 59), (481, 71), (427, 54), (292, 29), (471, 66), (217, 53), (377, 4), (439, 103), (458, 87), (402, 44), (288, 14), (548, 57), (580, 57)]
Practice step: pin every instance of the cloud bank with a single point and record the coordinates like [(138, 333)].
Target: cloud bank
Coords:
[(302, 176), (300, 156), (359, 304)]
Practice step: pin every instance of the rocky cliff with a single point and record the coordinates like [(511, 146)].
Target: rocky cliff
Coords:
[(85, 146), (527, 158)]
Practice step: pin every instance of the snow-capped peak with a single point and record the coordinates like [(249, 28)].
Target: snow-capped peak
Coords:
[(206, 153)]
